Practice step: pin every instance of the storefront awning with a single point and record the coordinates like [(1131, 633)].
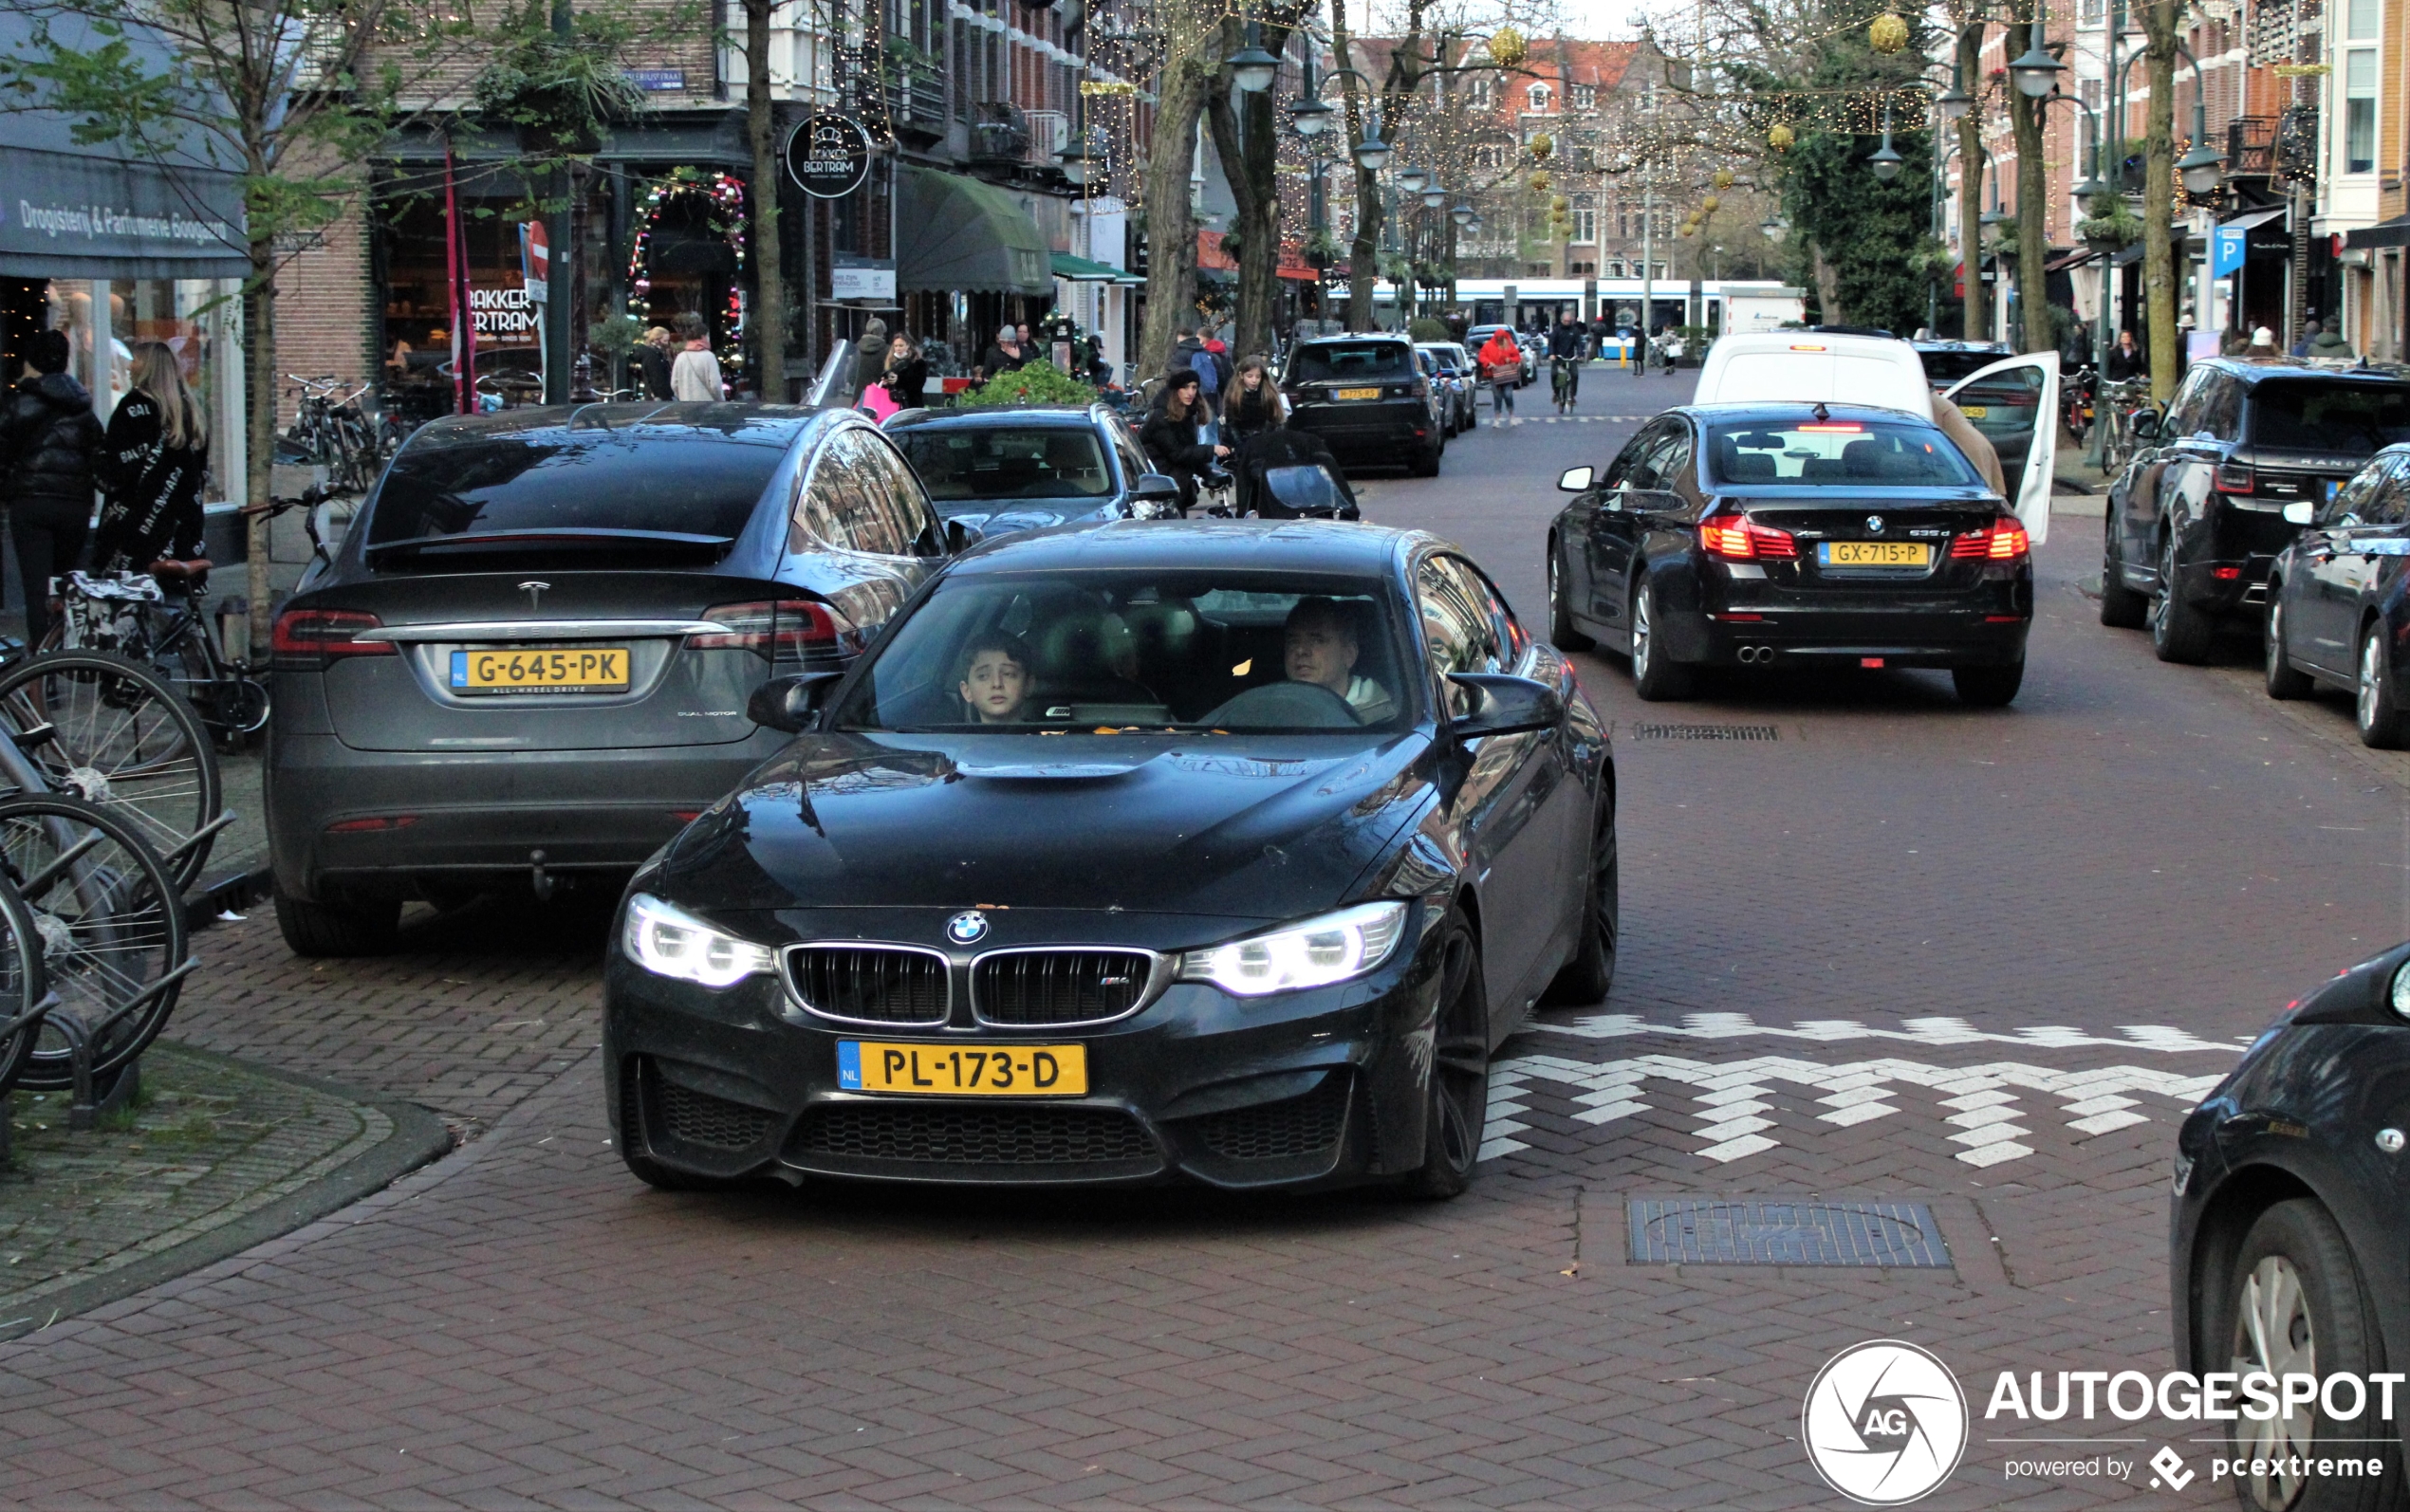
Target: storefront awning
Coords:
[(1079, 270), (2257, 217), (76, 210), (960, 235), (2394, 232)]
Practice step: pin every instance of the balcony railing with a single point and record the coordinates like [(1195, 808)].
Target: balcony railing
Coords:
[(2251, 147)]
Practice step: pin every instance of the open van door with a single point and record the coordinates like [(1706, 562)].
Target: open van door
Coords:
[(2014, 402)]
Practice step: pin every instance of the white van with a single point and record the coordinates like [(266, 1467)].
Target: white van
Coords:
[(1833, 367)]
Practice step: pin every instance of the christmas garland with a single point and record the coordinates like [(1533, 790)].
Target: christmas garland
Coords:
[(724, 213)]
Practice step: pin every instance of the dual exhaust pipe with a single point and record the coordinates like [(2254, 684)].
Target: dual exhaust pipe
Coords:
[(1755, 656)]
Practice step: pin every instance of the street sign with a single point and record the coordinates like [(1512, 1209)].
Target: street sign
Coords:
[(828, 156), (2227, 245), (535, 260)]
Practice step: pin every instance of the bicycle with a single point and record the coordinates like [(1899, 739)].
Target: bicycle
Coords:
[(25, 994), (1565, 381), (2115, 408), (333, 433)]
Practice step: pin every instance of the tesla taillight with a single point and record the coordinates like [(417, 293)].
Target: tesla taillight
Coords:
[(2234, 477), (306, 640), (777, 628), (1737, 538), (2004, 541)]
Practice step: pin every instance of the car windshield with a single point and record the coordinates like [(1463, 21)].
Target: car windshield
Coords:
[(1326, 360), (556, 491), (1095, 654), (1007, 462), (1859, 452), (1448, 359), (2311, 415)]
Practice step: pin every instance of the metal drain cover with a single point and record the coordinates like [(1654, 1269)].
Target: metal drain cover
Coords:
[(1702, 1231), (1706, 732)]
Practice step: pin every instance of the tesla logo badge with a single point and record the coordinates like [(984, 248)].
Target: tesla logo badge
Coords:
[(967, 929), (1874, 524), (535, 593)]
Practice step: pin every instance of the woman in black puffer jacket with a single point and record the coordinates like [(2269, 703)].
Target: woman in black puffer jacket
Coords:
[(47, 437), (1170, 434), (151, 463)]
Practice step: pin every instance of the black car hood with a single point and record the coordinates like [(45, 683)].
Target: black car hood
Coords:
[(1244, 827)]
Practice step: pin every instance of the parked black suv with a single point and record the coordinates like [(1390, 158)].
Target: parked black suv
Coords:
[(1367, 398), (2198, 517)]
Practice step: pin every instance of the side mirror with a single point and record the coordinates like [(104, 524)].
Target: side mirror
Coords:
[(790, 703), (1154, 487), (1501, 704), (1576, 480), (2145, 424), (960, 538), (2300, 512)]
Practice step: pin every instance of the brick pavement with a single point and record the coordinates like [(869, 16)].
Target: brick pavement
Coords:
[(2131, 845)]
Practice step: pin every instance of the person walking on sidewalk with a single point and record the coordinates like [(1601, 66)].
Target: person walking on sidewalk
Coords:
[(1501, 361), (695, 377), (150, 466), (48, 436)]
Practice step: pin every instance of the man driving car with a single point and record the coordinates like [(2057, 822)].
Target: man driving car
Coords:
[(1321, 649)]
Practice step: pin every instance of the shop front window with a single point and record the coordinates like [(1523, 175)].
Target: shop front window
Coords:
[(105, 322)]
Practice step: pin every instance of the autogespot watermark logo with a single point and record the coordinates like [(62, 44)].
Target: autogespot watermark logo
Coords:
[(1884, 1423)]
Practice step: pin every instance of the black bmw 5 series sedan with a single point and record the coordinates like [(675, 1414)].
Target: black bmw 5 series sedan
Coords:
[(2290, 1240), (2339, 599), (1792, 535), (529, 660), (1217, 850)]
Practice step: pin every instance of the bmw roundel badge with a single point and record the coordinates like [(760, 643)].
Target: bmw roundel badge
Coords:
[(1874, 524), (967, 929)]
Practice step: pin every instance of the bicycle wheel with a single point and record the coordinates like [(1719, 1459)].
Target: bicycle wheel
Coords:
[(110, 923), (121, 738), (22, 985)]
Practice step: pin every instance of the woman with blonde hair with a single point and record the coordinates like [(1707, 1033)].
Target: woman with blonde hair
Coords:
[(151, 467), (1253, 405)]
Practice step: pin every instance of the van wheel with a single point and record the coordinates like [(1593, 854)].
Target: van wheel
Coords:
[(338, 929)]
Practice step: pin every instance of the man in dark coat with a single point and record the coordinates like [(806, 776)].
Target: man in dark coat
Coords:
[(48, 436)]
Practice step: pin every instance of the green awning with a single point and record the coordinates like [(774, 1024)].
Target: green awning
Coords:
[(1079, 270), (959, 235)]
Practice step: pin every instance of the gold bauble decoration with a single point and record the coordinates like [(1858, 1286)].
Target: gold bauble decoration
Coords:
[(1507, 47), (1710, 205), (1540, 182), (1690, 228), (1541, 146), (1781, 137), (1723, 178), (1559, 204), (1888, 34)]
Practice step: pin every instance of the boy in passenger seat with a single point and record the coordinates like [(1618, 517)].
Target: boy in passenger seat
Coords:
[(995, 679)]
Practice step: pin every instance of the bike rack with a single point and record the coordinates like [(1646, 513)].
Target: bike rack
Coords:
[(198, 837), (82, 1111)]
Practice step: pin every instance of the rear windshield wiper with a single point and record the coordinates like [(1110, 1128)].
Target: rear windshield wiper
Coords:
[(537, 537)]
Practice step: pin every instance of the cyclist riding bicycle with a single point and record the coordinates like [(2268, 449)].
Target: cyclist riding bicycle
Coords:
[(1565, 360)]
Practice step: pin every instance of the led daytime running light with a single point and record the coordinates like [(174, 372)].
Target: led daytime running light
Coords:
[(1317, 952), (672, 943)]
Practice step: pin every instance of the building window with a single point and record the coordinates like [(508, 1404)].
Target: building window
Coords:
[(1615, 270), (2359, 21), (2360, 110), (1539, 99), (1586, 97), (2091, 13), (1478, 92), (1585, 225)]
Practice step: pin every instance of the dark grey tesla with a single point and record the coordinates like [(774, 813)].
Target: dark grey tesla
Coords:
[(528, 662)]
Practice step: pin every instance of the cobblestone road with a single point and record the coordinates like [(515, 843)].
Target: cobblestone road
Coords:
[(1898, 951)]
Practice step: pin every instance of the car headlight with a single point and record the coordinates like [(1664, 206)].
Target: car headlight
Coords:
[(673, 943), (1314, 954)]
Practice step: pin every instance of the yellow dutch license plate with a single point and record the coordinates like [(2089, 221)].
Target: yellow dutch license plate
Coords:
[(1360, 394), (583, 670), (990, 1070), (1976, 412), (1874, 553)]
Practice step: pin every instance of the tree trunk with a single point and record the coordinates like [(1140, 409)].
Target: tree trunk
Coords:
[(1828, 310), (1247, 139), (1171, 220), (2032, 206), (259, 427), (2161, 19), (1364, 251), (1971, 165), (768, 318)]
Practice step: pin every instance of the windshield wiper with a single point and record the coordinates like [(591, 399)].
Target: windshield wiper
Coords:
[(533, 537)]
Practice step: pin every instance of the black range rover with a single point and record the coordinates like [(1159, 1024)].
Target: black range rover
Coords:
[(1368, 400), (2198, 517)]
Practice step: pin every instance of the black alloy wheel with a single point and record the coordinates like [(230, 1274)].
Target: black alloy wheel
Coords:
[(2284, 680), (2121, 608), (2373, 706), (2295, 1303), (2179, 632), (1425, 463), (1562, 633), (338, 927), (1989, 686), (1655, 678), (1586, 977), (1457, 1102)]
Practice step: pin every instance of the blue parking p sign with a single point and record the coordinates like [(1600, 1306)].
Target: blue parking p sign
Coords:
[(2226, 250)]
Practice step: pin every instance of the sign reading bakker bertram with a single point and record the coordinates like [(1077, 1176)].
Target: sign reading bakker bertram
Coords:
[(828, 156)]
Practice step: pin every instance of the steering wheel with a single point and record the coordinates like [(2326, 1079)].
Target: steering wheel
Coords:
[(1309, 706)]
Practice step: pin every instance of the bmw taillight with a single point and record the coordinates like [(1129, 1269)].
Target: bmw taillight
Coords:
[(2234, 477), (307, 639), (782, 629), (1737, 538), (2004, 541)]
